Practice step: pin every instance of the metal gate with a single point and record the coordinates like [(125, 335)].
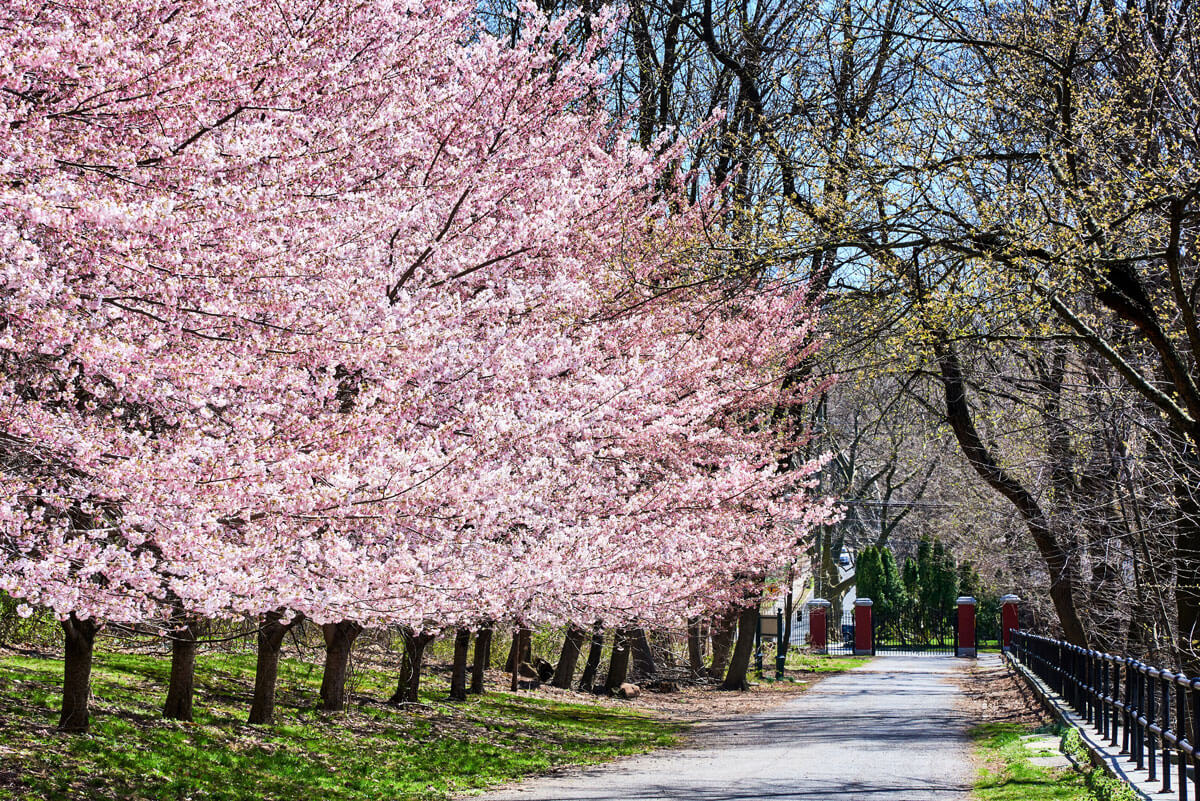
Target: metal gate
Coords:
[(912, 629), (908, 630), (839, 634)]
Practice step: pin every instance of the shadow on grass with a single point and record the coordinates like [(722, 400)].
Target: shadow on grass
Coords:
[(370, 752)]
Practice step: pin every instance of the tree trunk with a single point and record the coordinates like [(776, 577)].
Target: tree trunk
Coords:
[(513, 645), (404, 675), (519, 655), (483, 657), (595, 651), (722, 641), (408, 682), (739, 665), (618, 662), (271, 631), (339, 639), (458, 676), (644, 667), (1058, 562), (79, 636), (695, 644), (1186, 554), (519, 650), (181, 686), (564, 671)]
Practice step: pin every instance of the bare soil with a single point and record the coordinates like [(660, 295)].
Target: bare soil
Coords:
[(994, 693)]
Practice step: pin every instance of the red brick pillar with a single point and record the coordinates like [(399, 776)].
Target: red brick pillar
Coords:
[(966, 627), (864, 636), (1008, 619), (818, 625)]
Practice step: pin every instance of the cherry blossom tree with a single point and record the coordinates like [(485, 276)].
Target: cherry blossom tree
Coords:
[(353, 311)]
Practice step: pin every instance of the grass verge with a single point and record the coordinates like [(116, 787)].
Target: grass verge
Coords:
[(1007, 774), (372, 751), (811, 663), (1101, 785)]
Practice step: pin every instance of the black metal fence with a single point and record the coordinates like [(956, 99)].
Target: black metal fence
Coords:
[(1147, 712)]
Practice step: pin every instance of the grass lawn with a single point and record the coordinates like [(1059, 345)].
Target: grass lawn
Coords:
[(1008, 775), (810, 663), (372, 751)]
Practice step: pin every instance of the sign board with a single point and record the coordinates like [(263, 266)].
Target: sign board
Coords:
[(768, 625)]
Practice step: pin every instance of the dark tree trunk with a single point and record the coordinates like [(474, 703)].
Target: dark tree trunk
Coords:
[(564, 671), (511, 659), (458, 676), (695, 645), (1058, 561), (722, 642), (339, 640), (418, 659), (522, 649), (739, 665), (181, 686), (595, 651), (483, 658), (407, 666), (644, 668), (408, 683), (79, 636), (271, 631), (519, 650), (618, 662)]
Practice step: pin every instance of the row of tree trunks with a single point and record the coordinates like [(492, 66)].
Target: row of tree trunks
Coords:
[(629, 645)]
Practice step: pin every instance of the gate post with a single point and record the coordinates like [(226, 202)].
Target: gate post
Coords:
[(864, 637), (1008, 619), (817, 625), (966, 627)]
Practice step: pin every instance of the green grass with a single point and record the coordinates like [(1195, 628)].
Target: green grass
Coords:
[(1102, 786), (812, 663), (370, 752), (1008, 775)]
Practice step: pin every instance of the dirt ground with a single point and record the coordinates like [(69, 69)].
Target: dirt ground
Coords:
[(994, 693)]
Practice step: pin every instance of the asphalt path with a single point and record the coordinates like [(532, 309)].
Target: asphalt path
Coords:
[(887, 731)]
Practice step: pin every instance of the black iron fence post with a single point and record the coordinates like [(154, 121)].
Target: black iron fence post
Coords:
[(758, 654), (781, 647)]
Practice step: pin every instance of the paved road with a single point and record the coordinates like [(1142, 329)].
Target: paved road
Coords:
[(887, 731)]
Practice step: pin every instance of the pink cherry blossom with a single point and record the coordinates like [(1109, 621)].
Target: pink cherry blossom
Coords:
[(354, 310)]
